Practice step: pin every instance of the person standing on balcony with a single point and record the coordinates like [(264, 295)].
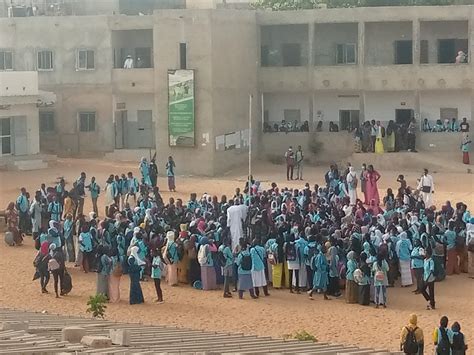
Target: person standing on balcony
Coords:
[(373, 135), (299, 163), (465, 146), (464, 126), (128, 64), (290, 163)]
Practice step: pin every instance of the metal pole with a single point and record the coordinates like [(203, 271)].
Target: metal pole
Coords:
[(250, 146)]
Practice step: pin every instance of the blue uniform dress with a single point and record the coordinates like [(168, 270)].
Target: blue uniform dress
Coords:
[(56, 210), (245, 276), (136, 294), (321, 272), (380, 282), (145, 171), (258, 266)]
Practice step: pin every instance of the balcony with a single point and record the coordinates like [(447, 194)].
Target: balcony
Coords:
[(137, 81), (340, 77), (287, 79)]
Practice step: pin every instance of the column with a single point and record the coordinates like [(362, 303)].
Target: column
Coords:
[(310, 45), (311, 26), (416, 41), (361, 44)]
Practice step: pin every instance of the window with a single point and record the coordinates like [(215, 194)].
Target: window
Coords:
[(346, 53), (143, 57), (85, 60), (45, 60), (291, 54), (5, 136), (6, 60), (403, 52), (448, 50), (182, 56), (348, 120), (87, 121), (46, 121)]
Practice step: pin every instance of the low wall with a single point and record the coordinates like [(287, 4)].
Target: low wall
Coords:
[(339, 146)]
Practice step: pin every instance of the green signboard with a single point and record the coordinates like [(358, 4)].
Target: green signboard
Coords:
[(181, 107)]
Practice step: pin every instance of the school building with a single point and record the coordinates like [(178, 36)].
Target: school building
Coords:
[(339, 65)]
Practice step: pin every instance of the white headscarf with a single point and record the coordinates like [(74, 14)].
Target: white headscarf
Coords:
[(170, 237), (381, 220), (134, 253)]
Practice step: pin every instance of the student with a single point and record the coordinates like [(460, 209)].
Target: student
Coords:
[(442, 337), (134, 269), (104, 270), (351, 285), (292, 260), (170, 166), (452, 265), (364, 282), (41, 265), (57, 267), (403, 250), (426, 125), (68, 228), (172, 258), (132, 186), (333, 260), (157, 267), (320, 267), (227, 268), (244, 263), (417, 264), (55, 209), (208, 272), (258, 268), (411, 337), (459, 346), (94, 190), (85, 246), (145, 171), (290, 163), (429, 280), (380, 268)]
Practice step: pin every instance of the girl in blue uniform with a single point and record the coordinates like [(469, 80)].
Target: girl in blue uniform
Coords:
[(320, 267), (244, 263), (157, 268)]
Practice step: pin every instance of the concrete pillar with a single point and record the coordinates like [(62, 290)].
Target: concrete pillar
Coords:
[(311, 45), (417, 107), (361, 44), (416, 41), (362, 107)]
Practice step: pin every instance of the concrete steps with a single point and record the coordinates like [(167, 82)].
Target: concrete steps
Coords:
[(44, 337)]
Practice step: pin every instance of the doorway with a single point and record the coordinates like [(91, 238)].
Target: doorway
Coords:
[(20, 136), (5, 136), (403, 116), (120, 129), (348, 120), (145, 129), (403, 52)]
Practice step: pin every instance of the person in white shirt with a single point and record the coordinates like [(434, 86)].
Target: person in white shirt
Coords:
[(128, 64), (426, 187)]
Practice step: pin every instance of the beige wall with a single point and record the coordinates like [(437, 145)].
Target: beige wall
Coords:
[(327, 36)]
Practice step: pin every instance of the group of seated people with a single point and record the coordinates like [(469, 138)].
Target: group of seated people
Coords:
[(445, 126), (286, 127)]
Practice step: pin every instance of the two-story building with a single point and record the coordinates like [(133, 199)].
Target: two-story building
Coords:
[(339, 65)]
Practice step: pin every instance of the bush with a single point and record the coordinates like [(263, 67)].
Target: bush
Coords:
[(276, 159), (301, 335), (97, 305)]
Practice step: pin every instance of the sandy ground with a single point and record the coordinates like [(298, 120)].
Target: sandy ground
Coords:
[(277, 315)]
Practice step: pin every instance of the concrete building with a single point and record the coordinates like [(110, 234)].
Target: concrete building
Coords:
[(340, 65)]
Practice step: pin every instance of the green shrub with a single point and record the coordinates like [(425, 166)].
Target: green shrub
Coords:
[(97, 305), (301, 335)]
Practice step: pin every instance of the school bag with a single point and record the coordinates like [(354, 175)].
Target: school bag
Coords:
[(379, 275), (221, 259), (66, 284), (443, 347), (202, 255), (246, 262), (290, 252), (53, 264), (458, 342), (410, 346)]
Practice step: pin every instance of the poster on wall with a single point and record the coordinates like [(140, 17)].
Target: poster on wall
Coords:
[(181, 108)]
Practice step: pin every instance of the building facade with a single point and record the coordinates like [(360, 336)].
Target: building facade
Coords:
[(331, 65)]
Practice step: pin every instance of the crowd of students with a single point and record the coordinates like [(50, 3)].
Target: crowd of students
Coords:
[(318, 239)]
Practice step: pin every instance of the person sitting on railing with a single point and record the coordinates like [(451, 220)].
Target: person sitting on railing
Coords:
[(453, 126), (438, 127), (333, 127), (426, 126), (319, 127), (283, 126), (295, 127)]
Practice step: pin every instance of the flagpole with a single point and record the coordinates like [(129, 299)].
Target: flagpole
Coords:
[(250, 146)]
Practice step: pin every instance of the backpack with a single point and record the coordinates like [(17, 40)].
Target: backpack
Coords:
[(410, 346), (291, 252), (202, 255), (443, 347), (246, 262), (458, 342), (66, 283), (53, 264), (221, 259)]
